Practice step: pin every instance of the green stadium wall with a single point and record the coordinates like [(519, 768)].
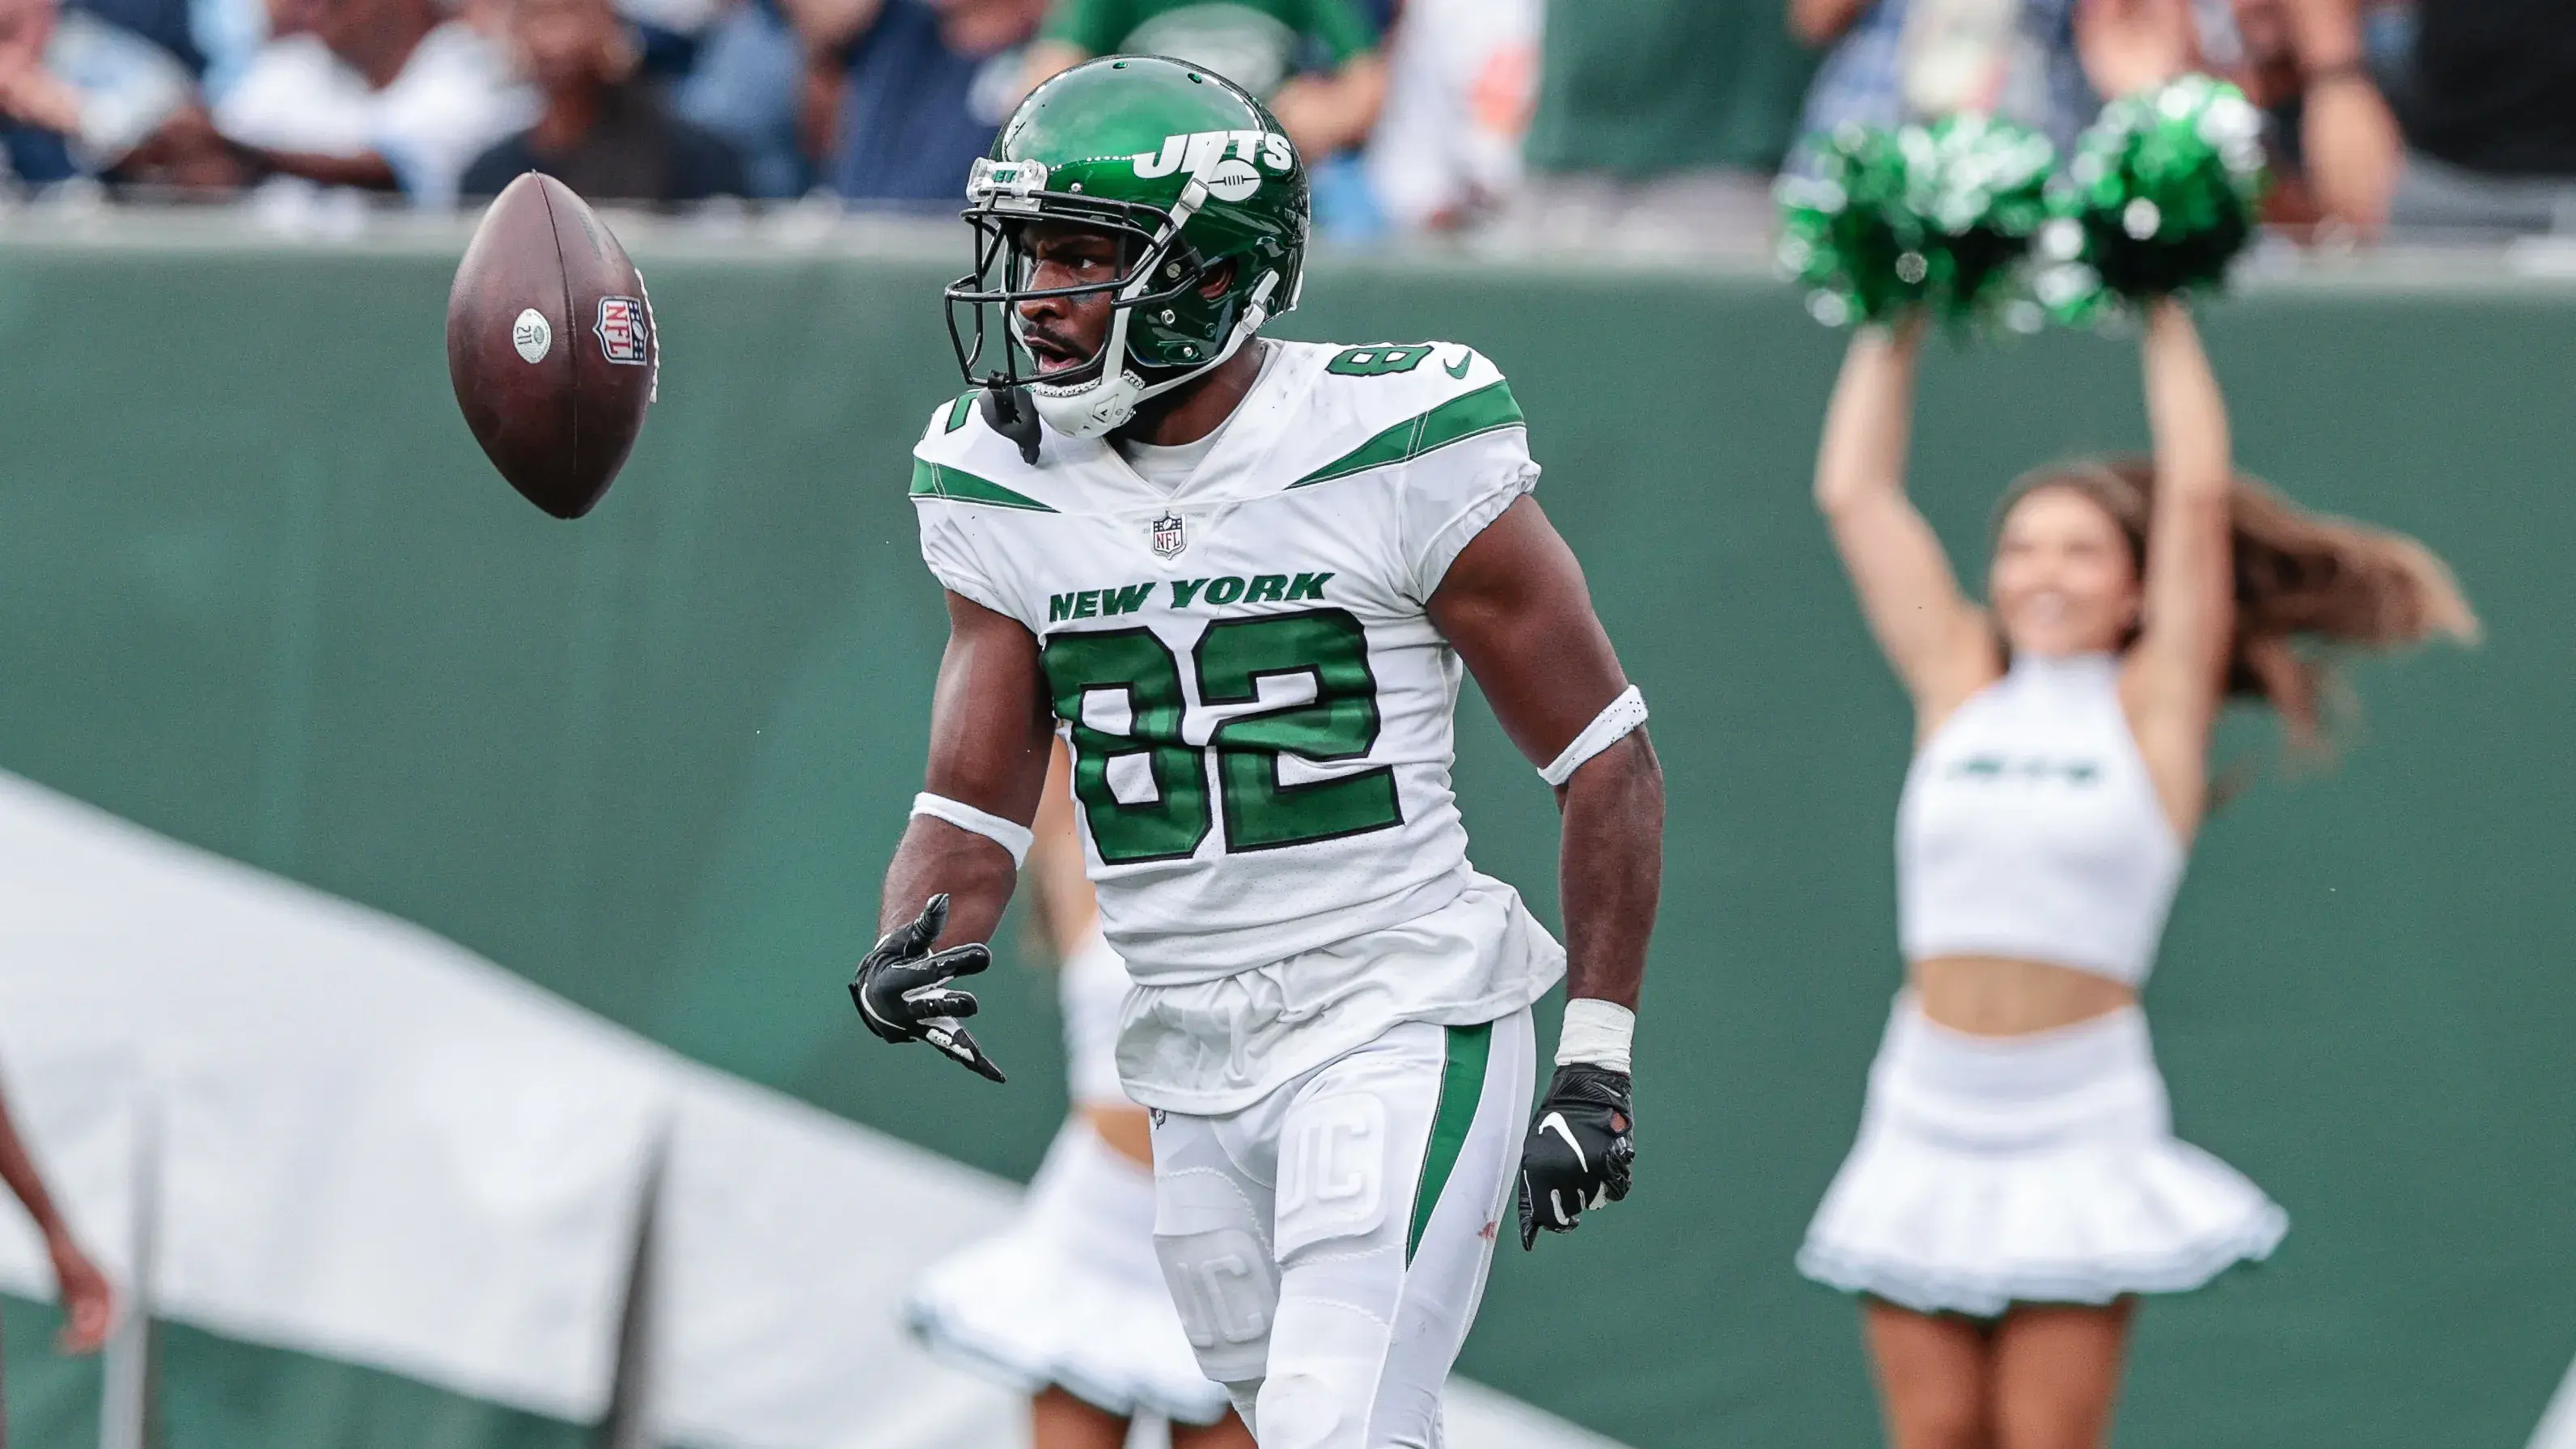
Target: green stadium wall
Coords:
[(259, 591)]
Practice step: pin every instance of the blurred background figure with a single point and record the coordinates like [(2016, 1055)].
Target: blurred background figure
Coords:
[(1069, 1304), (171, 26), (381, 95), (901, 96), (2488, 100), (2050, 64), (2319, 68), (1315, 63), (742, 85), (89, 1304), (602, 131), (1894, 61), (2045, 64), (1658, 125), (668, 34), (80, 96), (1462, 76)]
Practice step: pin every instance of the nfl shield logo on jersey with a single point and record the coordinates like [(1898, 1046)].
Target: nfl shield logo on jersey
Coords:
[(622, 330), (1169, 536)]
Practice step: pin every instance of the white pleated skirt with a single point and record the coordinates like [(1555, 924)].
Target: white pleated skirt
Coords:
[(1071, 1294), (2033, 1169)]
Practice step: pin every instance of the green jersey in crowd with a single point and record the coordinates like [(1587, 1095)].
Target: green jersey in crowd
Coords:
[(1255, 43), (1642, 87)]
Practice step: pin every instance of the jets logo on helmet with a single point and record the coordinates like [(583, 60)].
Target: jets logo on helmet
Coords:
[(1198, 153), (1204, 193)]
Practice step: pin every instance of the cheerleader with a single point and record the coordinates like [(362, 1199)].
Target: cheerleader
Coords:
[(2016, 1182), (1068, 1304)]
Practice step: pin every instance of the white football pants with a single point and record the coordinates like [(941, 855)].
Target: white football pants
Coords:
[(1327, 1245)]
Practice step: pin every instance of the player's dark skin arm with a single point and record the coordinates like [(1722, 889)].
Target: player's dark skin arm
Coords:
[(1515, 607), (990, 727)]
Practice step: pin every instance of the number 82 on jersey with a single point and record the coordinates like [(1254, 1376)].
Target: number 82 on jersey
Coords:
[(1145, 789)]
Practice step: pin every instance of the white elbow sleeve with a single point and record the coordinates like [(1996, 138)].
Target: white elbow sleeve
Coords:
[(1013, 838), (1614, 723)]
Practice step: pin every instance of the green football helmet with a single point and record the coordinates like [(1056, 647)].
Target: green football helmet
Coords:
[(1196, 180)]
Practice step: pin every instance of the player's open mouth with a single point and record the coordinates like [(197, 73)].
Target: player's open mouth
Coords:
[(1053, 356)]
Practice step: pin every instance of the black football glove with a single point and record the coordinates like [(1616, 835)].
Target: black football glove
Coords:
[(902, 989), (1579, 1150)]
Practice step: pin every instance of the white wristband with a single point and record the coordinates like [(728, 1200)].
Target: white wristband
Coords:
[(1013, 838), (1597, 1032), (1614, 723)]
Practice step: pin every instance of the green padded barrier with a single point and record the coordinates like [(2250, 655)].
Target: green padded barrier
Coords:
[(258, 590)]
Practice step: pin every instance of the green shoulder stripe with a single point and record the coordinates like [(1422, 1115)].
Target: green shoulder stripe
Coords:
[(937, 480), (958, 410), (1482, 411)]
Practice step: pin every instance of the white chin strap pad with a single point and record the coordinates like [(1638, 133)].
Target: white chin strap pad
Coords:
[(1090, 408), (1094, 408)]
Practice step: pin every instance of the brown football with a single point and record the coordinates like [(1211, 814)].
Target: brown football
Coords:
[(551, 345)]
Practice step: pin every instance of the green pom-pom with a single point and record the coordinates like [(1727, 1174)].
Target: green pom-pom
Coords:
[(1935, 217), (1976, 190), (2159, 197), (1842, 230)]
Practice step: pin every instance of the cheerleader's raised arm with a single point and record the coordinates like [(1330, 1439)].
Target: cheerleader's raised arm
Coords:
[(2175, 677), (1939, 644)]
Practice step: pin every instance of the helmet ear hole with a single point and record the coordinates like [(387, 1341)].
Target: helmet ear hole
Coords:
[(1218, 280)]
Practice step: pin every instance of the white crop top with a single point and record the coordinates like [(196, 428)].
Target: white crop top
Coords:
[(2029, 828)]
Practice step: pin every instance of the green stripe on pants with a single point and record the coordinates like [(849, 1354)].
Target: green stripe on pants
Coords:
[(1462, 1085)]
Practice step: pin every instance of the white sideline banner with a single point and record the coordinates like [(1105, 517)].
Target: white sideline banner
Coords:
[(759, 1189), (2557, 1428), (373, 1145)]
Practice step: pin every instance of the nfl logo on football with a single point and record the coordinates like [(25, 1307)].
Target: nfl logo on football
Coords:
[(622, 330), (1168, 536)]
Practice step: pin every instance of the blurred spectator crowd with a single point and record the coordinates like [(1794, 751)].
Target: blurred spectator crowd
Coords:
[(1636, 124)]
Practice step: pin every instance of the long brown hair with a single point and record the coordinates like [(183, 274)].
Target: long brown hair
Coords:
[(2306, 583)]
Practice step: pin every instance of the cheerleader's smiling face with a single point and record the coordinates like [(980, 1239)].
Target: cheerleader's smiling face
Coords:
[(2064, 580)]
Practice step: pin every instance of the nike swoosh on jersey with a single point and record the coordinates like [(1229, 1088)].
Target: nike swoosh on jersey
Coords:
[(1555, 1122), (1459, 368)]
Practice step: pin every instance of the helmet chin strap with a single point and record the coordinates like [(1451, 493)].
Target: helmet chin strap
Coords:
[(1106, 403)]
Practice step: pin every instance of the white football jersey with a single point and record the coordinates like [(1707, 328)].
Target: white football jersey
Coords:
[(1260, 711)]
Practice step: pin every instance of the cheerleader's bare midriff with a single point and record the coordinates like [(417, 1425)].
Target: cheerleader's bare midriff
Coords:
[(2000, 996)]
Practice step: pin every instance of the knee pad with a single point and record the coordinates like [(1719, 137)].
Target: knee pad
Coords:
[(1223, 1281), (1303, 1411), (1327, 1361)]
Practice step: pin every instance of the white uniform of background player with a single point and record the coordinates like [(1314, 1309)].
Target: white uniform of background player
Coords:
[(1332, 1012)]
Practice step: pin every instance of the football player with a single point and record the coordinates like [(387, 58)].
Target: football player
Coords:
[(1240, 576)]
